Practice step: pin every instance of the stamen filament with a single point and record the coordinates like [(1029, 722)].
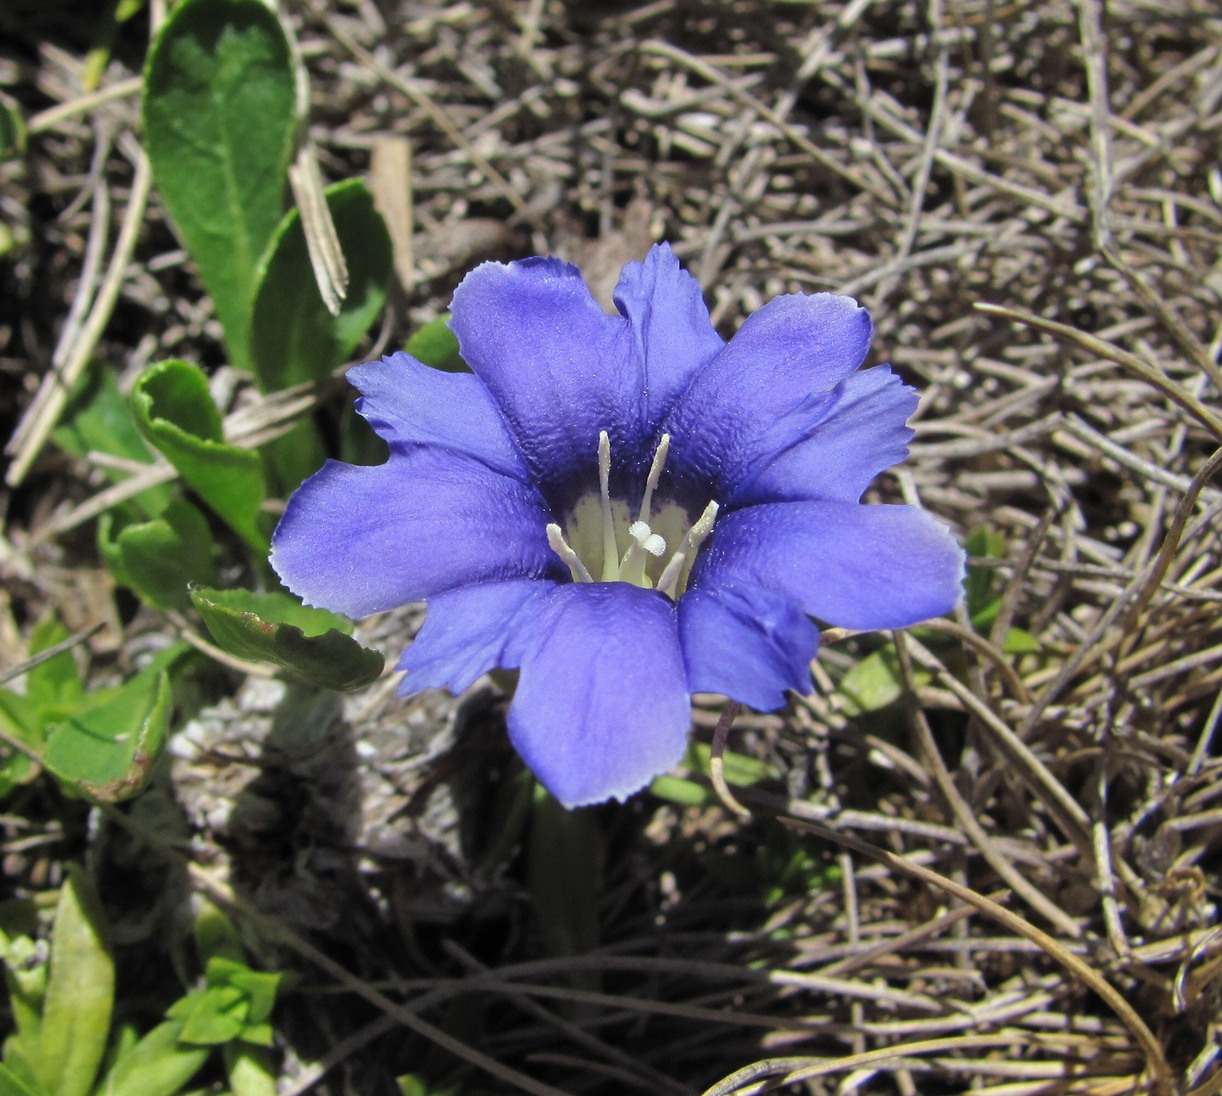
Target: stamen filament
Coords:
[(696, 536), (655, 474), (557, 543), (610, 548)]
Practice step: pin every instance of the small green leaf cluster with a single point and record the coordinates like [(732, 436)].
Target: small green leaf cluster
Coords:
[(99, 743), (224, 119), (190, 507), (62, 997)]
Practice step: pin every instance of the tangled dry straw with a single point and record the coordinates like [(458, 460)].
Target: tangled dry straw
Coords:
[(1028, 199)]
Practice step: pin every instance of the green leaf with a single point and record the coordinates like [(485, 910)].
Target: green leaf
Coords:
[(250, 1070), (984, 616), (54, 686), (160, 559), (293, 336), (412, 1084), (123, 1040), (1019, 642), (158, 1065), (80, 992), (25, 972), (739, 770), (260, 988), (12, 129), (100, 420), (978, 585), (236, 1004), (177, 414), (20, 717), (215, 934), (437, 346), (220, 122), (13, 1085), (875, 682), (310, 644), (108, 751), (212, 1016), (683, 792)]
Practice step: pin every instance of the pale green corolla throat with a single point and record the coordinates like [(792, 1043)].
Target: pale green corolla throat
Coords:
[(602, 542)]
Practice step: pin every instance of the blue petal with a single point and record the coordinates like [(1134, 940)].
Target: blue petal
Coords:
[(602, 704), (408, 403), (762, 394), (359, 540), (464, 634), (670, 325), (746, 643), (853, 566), (864, 433), (558, 367)]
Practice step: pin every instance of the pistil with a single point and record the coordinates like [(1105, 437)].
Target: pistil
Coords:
[(610, 548), (645, 543)]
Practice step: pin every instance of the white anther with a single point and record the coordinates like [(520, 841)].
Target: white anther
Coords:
[(555, 539), (700, 531), (655, 474), (610, 548)]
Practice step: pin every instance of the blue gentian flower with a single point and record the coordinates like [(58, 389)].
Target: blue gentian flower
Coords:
[(626, 509)]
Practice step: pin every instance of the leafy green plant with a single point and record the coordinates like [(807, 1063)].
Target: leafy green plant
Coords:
[(100, 743), (311, 645), (61, 1007), (100, 421), (223, 96), (220, 119), (294, 336), (176, 413), (63, 1002), (160, 559), (981, 594), (12, 129)]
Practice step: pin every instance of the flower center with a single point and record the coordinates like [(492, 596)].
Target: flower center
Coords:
[(658, 548)]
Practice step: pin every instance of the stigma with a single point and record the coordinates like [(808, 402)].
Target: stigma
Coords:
[(602, 540)]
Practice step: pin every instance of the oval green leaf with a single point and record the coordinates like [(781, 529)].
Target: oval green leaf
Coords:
[(293, 336), (108, 751), (158, 1065), (220, 122), (161, 559), (12, 129), (176, 412), (309, 644), (80, 992)]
